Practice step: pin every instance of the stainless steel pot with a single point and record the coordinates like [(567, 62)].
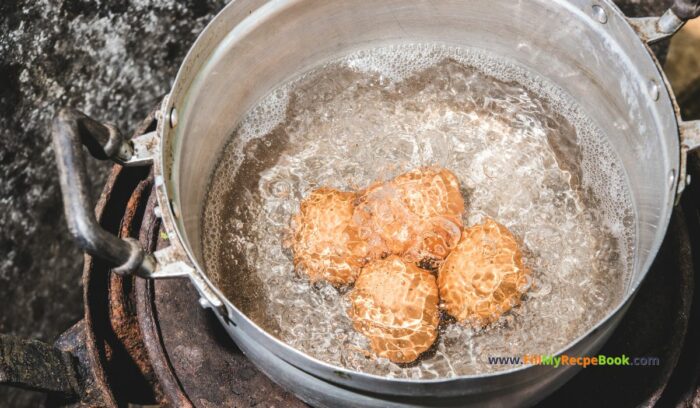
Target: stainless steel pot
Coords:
[(587, 48)]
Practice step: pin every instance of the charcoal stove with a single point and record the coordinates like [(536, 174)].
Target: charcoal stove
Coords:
[(250, 40), (148, 342)]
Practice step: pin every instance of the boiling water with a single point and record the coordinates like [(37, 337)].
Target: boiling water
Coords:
[(524, 153)]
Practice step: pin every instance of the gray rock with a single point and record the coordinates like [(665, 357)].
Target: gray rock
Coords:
[(112, 59)]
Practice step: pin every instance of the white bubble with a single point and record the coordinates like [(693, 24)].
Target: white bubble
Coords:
[(379, 112)]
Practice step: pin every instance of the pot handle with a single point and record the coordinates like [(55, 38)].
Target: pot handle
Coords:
[(686, 9), (654, 29), (71, 130)]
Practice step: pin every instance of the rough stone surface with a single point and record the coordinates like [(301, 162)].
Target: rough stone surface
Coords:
[(113, 60)]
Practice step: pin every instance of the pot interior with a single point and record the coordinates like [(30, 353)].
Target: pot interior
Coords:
[(603, 67)]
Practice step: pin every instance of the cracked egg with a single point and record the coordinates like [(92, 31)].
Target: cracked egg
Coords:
[(395, 304), (324, 246), (484, 276), (417, 215)]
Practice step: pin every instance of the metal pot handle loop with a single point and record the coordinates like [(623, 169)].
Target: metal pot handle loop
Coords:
[(686, 9), (71, 130), (654, 29), (690, 130)]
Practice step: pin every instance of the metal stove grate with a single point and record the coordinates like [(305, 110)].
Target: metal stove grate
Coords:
[(149, 342), (190, 361)]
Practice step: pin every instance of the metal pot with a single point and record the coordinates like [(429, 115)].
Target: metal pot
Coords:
[(587, 48)]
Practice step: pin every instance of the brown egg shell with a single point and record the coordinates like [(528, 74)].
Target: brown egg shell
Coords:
[(395, 304), (417, 215), (484, 276), (324, 247)]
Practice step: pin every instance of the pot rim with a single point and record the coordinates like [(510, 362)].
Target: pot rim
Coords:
[(207, 288)]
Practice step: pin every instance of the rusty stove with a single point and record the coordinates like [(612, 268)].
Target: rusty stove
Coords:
[(147, 342)]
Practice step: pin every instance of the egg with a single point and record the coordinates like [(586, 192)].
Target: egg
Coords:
[(417, 215), (484, 276), (395, 305), (324, 245)]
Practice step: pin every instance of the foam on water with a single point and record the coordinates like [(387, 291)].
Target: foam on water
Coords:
[(524, 153)]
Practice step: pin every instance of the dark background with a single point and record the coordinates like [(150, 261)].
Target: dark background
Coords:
[(114, 60)]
